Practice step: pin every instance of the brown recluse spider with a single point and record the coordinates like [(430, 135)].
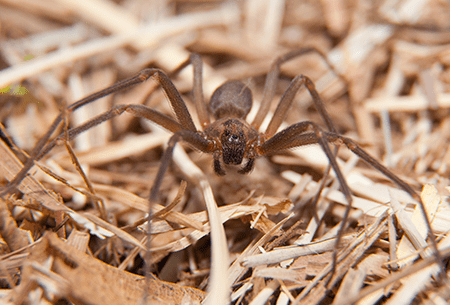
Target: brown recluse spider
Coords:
[(229, 138)]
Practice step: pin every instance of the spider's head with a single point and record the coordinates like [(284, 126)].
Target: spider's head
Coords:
[(233, 140)]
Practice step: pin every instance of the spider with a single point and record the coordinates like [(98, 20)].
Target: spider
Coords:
[(229, 138)]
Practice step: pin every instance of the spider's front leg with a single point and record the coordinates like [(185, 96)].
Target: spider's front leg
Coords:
[(217, 166), (299, 135), (193, 138), (295, 135), (178, 105)]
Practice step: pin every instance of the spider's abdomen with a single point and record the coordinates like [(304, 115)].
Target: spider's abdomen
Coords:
[(232, 99)]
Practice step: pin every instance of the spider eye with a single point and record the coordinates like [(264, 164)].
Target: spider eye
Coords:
[(233, 138)]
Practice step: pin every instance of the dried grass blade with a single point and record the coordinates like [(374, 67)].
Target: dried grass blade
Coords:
[(141, 204), (218, 291), (315, 291), (281, 254), (117, 231), (237, 269)]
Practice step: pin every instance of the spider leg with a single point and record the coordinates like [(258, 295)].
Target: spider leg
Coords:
[(287, 139), (139, 111), (297, 135), (193, 138), (200, 105), (217, 165), (272, 80), (288, 97), (29, 162), (178, 105), (39, 147), (293, 140), (196, 140), (284, 137), (373, 162), (286, 102)]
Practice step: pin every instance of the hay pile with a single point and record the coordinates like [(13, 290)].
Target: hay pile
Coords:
[(79, 236)]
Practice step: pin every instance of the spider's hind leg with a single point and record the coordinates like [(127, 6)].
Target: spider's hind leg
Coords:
[(272, 81)]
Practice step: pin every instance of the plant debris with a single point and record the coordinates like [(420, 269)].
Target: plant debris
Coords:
[(74, 230)]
